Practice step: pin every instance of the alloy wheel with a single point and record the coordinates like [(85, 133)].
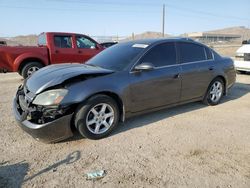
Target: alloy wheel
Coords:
[(100, 118), (31, 70), (216, 91)]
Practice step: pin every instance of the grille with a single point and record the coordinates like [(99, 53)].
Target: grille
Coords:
[(247, 57)]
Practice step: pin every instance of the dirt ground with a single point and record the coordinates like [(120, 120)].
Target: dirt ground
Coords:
[(187, 146)]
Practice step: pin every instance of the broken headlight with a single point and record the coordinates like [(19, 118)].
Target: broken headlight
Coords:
[(51, 97)]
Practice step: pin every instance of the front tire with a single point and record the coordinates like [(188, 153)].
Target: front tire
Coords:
[(97, 117), (30, 68), (215, 92)]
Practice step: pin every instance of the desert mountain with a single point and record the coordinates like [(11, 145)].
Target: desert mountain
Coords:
[(148, 34), (31, 40)]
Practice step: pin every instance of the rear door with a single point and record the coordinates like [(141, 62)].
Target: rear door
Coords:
[(86, 48), (197, 69), (62, 51), (160, 86)]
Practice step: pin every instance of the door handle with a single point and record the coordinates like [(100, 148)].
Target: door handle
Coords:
[(79, 51), (177, 76), (56, 51), (211, 68)]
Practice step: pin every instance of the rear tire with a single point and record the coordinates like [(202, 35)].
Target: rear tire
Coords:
[(19, 72), (215, 92), (30, 68), (97, 117)]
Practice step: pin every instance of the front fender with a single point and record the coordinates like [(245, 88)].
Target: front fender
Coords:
[(116, 83)]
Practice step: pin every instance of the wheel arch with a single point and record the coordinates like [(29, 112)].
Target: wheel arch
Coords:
[(113, 95), (28, 60), (118, 100), (224, 82), (28, 57)]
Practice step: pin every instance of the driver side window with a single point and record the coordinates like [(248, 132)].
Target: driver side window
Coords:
[(83, 42), (161, 55)]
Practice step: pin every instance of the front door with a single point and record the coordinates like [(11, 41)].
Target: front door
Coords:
[(160, 86), (85, 48)]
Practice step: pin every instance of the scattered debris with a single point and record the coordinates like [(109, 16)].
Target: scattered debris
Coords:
[(4, 162), (96, 175)]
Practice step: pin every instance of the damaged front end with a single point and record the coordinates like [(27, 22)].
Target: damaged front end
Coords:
[(48, 123), (45, 103)]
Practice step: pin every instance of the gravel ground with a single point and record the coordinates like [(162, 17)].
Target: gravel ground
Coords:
[(187, 146)]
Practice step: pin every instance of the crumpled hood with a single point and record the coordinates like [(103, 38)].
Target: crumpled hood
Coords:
[(56, 74)]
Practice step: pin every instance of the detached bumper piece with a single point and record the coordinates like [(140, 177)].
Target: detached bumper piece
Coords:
[(54, 130)]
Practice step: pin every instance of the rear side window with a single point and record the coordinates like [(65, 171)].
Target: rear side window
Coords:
[(161, 55), (190, 52), (209, 53), (63, 41), (42, 39)]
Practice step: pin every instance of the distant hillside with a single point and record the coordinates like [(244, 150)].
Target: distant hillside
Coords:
[(28, 40), (31, 40), (146, 35), (240, 30), (243, 31)]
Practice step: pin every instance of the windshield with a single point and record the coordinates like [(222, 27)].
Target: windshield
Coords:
[(117, 57)]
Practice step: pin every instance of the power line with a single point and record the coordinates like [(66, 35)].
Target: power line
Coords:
[(163, 21), (150, 4), (68, 9), (192, 11), (206, 13)]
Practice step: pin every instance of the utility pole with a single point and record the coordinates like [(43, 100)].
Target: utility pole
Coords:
[(163, 21)]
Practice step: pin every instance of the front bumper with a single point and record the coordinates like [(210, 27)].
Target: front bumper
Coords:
[(242, 65), (50, 132)]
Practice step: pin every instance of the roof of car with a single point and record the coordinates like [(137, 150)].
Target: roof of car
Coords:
[(152, 41)]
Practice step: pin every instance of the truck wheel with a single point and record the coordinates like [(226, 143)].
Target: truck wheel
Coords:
[(30, 68), (19, 72)]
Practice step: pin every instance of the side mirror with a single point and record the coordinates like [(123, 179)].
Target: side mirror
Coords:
[(144, 67), (98, 46)]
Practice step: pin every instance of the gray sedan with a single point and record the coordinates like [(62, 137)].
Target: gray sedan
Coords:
[(124, 80)]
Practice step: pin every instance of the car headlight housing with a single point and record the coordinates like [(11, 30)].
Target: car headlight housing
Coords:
[(51, 97)]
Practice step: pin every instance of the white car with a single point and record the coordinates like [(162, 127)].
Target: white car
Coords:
[(242, 58)]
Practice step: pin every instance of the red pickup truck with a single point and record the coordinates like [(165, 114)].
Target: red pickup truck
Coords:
[(53, 48)]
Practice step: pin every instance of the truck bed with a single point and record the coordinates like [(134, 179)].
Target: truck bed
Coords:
[(9, 54)]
